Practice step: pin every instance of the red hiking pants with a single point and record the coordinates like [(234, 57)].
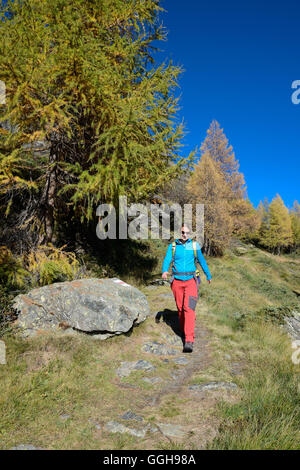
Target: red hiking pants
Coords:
[(186, 296)]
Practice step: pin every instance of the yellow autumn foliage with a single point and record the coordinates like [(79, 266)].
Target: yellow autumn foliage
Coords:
[(43, 266), (12, 272), (49, 264)]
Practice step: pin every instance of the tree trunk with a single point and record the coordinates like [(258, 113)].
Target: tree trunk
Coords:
[(205, 245), (48, 201), (208, 247)]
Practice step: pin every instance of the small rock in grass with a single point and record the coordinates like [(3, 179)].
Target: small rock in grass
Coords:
[(26, 447), (171, 430), (114, 426), (213, 386), (127, 367), (175, 375), (130, 415), (65, 417), (159, 349), (151, 401), (97, 425), (182, 361), (174, 340), (152, 428), (152, 380)]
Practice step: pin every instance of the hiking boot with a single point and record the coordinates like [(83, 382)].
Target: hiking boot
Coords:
[(188, 347)]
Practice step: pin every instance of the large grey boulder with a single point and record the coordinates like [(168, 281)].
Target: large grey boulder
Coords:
[(101, 307)]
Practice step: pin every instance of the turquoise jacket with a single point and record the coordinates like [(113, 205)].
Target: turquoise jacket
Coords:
[(184, 259)]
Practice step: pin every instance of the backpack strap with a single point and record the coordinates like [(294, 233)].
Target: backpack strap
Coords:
[(172, 262), (173, 255), (195, 251), (195, 257)]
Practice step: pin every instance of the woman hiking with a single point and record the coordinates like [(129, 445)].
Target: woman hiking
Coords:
[(185, 281)]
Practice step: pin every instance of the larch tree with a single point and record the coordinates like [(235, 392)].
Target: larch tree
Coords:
[(295, 222), (176, 190), (208, 186), (278, 232), (217, 145), (261, 217), (245, 220), (89, 116), (241, 210)]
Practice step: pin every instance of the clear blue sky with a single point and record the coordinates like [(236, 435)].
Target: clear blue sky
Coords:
[(240, 59)]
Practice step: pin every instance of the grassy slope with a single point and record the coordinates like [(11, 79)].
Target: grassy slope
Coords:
[(49, 376), (268, 414)]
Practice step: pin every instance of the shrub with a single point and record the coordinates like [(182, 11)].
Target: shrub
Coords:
[(49, 264), (276, 314), (6, 312), (12, 272)]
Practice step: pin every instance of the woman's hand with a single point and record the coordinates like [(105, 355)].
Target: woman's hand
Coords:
[(165, 275)]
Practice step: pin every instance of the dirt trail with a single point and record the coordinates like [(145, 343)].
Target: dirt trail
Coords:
[(173, 402), (178, 409), (199, 359)]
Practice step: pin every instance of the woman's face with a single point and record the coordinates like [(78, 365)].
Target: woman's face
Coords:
[(185, 233)]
